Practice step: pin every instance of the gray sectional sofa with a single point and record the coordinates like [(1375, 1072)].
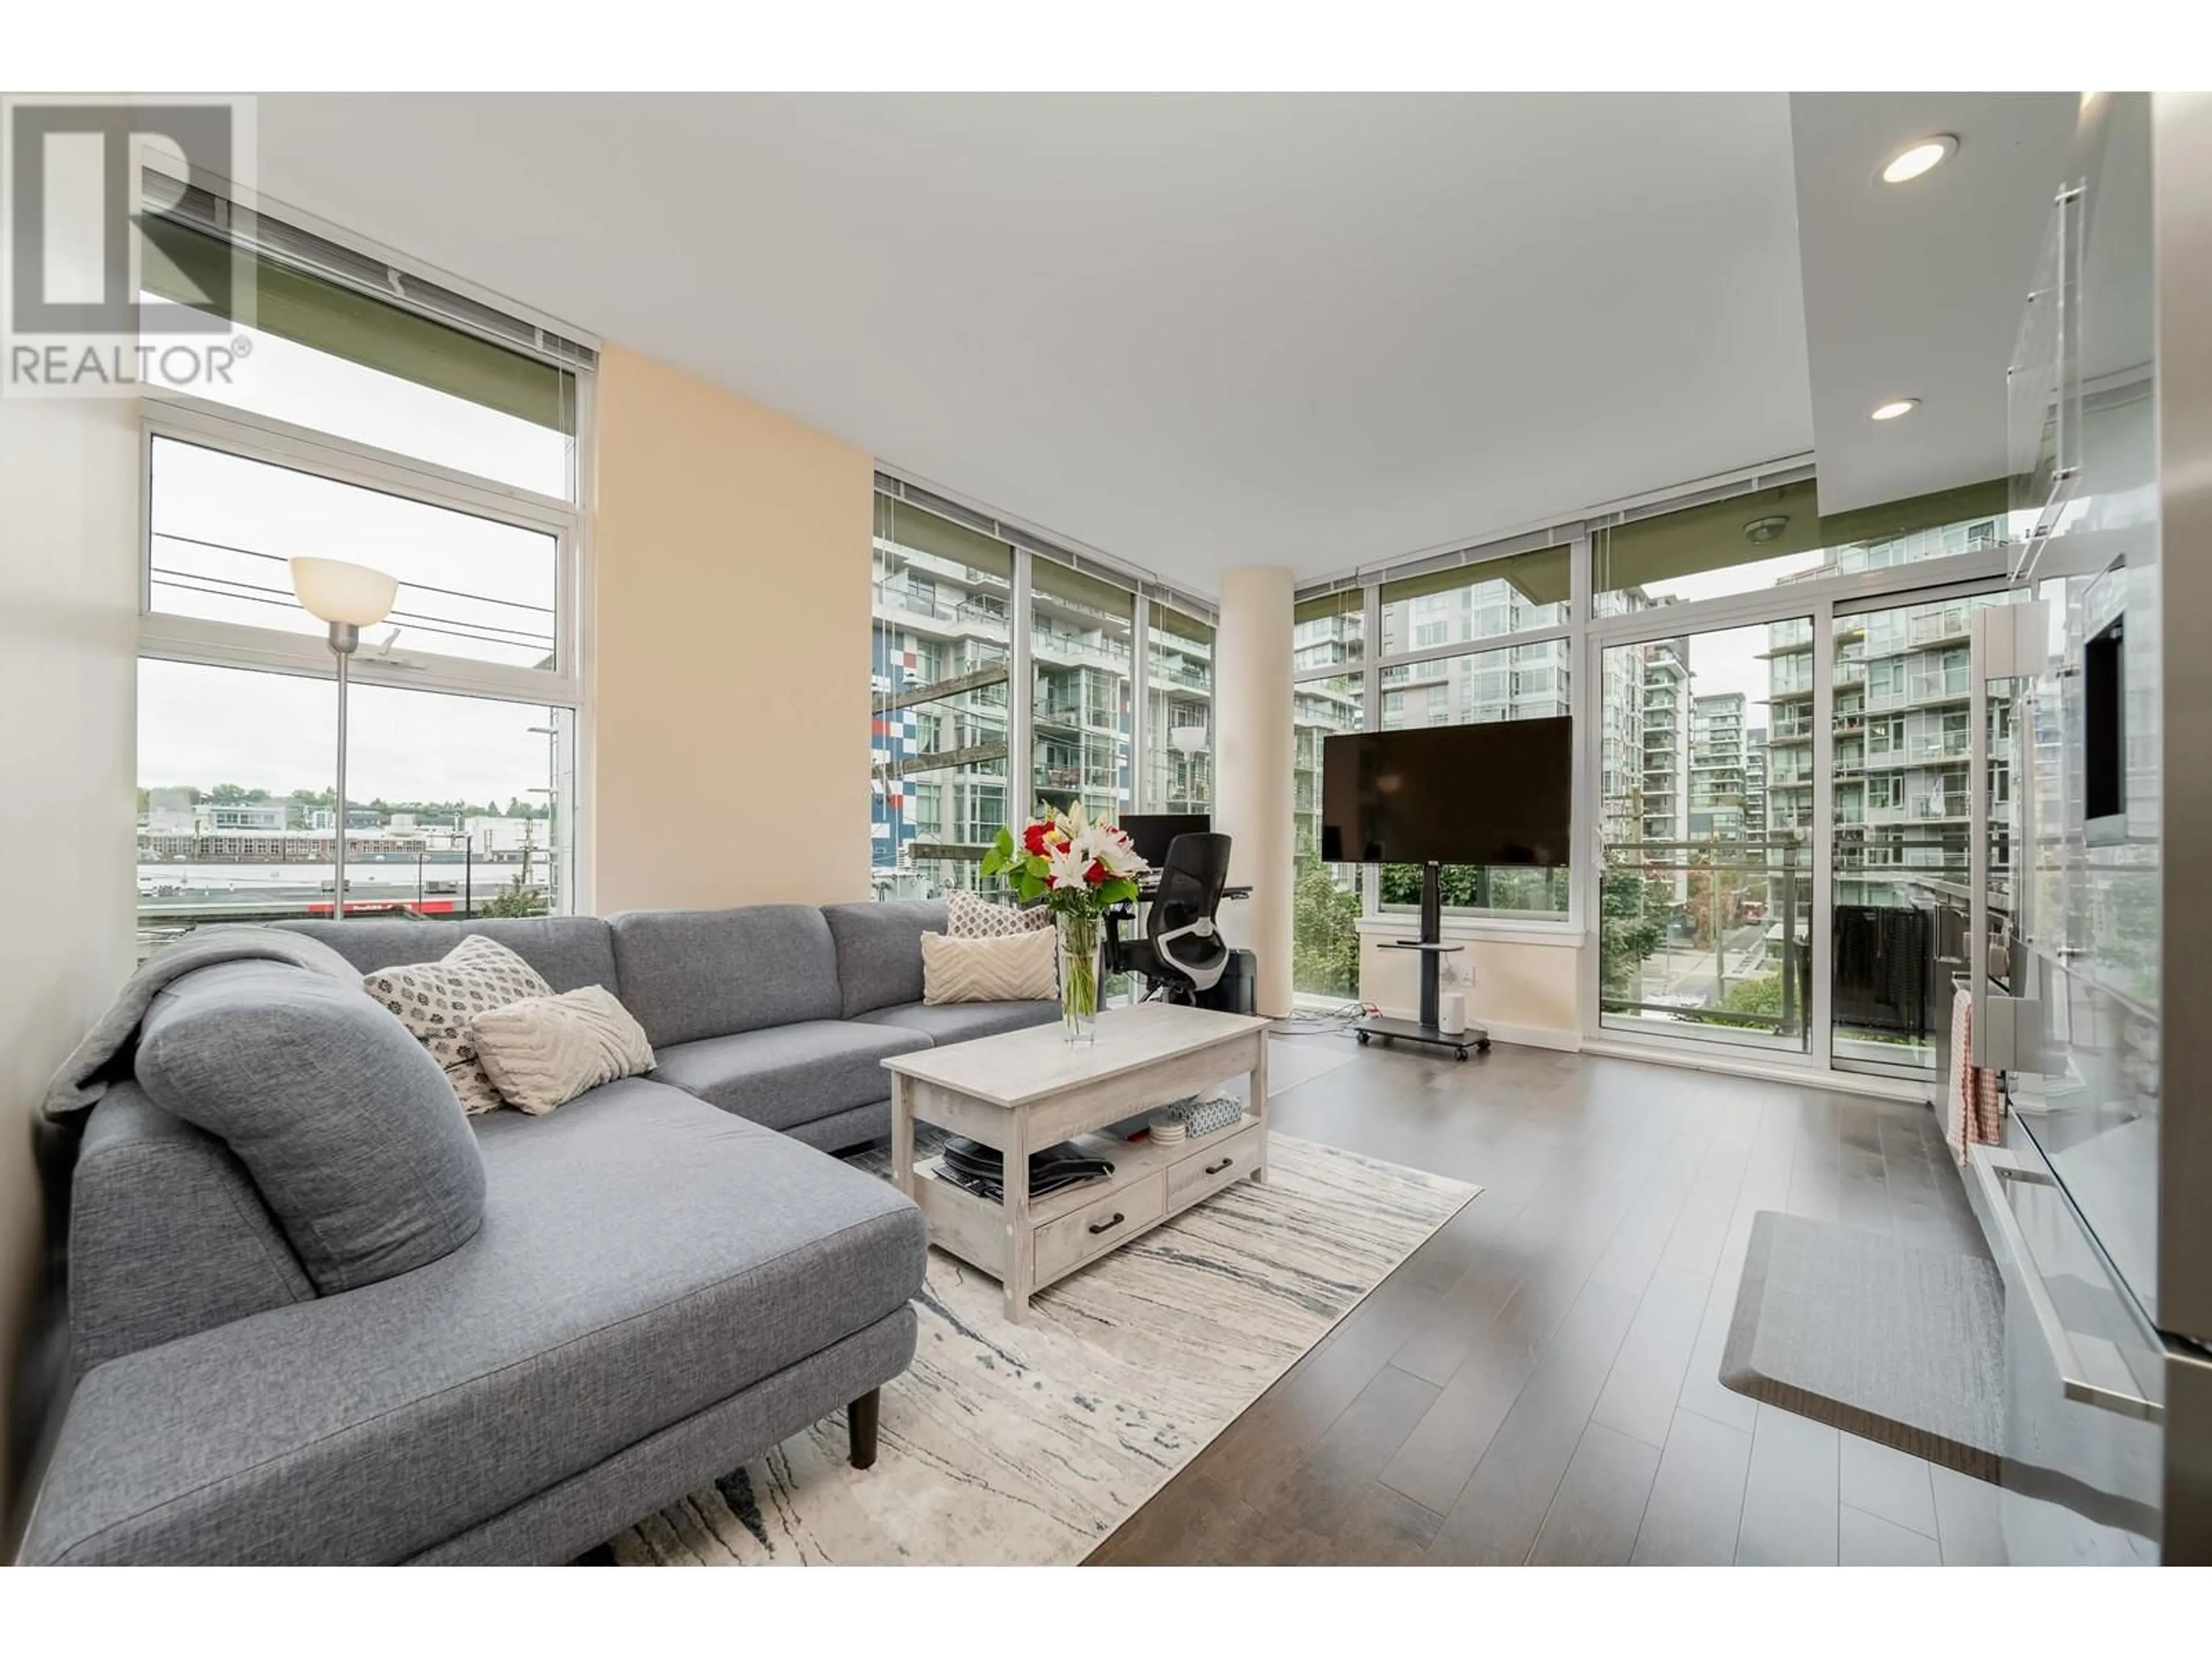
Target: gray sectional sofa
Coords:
[(316, 1316)]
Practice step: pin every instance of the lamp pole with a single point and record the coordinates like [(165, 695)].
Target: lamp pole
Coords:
[(345, 639), (348, 598)]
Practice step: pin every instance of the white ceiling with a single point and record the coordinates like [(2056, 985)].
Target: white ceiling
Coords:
[(1202, 331), (1915, 291)]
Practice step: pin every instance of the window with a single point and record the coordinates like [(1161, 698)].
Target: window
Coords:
[(329, 356), (1482, 683), (461, 727), (942, 655), (1178, 711), (223, 527), (1080, 640), (1515, 594), (1326, 898), (457, 806), (1770, 538), (1328, 631)]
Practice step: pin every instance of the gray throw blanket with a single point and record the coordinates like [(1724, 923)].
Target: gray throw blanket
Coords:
[(84, 1076)]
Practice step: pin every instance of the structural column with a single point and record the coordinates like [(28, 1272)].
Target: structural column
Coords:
[(1253, 747)]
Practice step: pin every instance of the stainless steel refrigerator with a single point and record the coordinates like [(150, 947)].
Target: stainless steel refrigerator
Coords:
[(2092, 766)]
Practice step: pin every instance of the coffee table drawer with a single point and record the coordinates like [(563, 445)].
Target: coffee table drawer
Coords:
[(1100, 1224), (1212, 1163)]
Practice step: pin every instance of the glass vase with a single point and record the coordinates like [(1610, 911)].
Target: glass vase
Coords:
[(1081, 974)]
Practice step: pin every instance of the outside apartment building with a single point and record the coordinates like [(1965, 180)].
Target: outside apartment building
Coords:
[(942, 671)]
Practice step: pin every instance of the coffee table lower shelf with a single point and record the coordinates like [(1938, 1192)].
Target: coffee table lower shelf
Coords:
[(1071, 1228)]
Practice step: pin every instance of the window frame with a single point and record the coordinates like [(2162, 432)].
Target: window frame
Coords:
[(181, 418)]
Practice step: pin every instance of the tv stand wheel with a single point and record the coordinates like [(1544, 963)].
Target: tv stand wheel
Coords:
[(1483, 1047), (1459, 1053), (1363, 1037)]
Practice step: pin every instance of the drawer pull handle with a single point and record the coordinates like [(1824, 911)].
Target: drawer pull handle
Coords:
[(1216, 1169), (1101, 1226)]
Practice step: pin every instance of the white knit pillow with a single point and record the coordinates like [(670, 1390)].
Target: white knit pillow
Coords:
[(436, 1000), (542, 1052), (1013, 968), (970, 916)]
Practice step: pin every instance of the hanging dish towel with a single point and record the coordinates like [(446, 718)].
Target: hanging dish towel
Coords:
[(1973, 1102)]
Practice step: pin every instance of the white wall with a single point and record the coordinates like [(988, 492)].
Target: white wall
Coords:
[(1253, 745), (69, 540), (1525, 988)]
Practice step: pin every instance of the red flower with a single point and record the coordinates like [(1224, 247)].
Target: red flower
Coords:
[(1096, 873), (1033, 840)]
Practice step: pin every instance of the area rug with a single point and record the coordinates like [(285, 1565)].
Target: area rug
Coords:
[(1027, 1444), (1882, 1338)]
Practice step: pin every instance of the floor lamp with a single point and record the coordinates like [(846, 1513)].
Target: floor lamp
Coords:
[(349, 598)]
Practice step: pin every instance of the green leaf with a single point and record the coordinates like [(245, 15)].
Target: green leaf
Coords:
[(1120, 890)]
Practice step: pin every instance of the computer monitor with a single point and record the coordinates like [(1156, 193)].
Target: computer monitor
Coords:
[(1152, 833)]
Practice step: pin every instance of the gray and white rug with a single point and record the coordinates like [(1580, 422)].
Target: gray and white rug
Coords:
[(1027, 1444)]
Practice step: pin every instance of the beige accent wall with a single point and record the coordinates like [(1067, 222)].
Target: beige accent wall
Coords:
[(1526, 991), (69, 610), (728, 758)]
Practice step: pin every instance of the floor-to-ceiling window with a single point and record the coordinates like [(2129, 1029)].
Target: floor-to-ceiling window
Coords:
[(1899, 746), (942, 664), (1803, 792), (1329, 697), (1703, 906), (1178, 711), (1081, 660), (961, 747), (1522, 602), (358, 428)]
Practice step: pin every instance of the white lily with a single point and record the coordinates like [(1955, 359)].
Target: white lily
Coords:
[(1066, 864)]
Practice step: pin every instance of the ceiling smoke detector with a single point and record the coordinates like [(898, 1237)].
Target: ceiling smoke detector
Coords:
[(1759, 531)]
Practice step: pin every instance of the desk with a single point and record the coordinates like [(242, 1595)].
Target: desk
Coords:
[(1149, 890)]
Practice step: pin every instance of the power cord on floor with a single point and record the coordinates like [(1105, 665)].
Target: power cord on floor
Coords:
[(1323, 1021)]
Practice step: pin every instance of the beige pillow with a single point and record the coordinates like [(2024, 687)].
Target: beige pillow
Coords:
[(436, 1000), (1013, 968), (970, 916), (542, 1052)]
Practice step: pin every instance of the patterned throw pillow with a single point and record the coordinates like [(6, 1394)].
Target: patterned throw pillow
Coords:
[(970, 915), (542, 1052), (1012, 968), (436, 1000)]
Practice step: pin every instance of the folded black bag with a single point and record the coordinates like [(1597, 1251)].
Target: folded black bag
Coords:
[(981, 1169)]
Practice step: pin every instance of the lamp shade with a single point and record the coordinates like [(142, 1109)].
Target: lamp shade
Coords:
[(338, 591)]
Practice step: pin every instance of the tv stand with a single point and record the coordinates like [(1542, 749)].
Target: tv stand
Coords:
[(1433, 949)]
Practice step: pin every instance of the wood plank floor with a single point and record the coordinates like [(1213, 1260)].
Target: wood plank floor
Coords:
[(1538, 1384)]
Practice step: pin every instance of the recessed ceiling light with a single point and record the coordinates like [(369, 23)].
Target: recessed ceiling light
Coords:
[(1891, 411), (1923, 157)]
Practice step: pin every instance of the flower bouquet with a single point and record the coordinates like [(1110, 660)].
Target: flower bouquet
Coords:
[(1081, 869)]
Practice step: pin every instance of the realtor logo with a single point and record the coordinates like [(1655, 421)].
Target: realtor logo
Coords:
[(91, 302)]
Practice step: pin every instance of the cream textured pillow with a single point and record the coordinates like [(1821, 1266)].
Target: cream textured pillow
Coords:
[(970, 916), (1013, 968), (436, 1000), (542, 1052)]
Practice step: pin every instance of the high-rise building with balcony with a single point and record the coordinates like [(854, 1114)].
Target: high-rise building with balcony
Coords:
[(1665, 740), (1717, 766)]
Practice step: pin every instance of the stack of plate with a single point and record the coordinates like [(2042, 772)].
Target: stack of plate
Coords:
[(1167, 1128)]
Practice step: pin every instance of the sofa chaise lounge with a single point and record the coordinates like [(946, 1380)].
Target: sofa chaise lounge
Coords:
[(317, 1315)]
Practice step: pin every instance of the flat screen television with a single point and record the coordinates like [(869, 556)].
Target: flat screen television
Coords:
[(1500, 792)]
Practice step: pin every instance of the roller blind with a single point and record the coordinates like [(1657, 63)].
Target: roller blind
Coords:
[(1076, 587), (926, 532), (1168, 620), (1543, 576), (1715, 535), (190, 267), (1348, 602)]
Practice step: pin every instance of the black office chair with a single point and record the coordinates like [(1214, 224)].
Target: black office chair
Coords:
[(1181, 955)]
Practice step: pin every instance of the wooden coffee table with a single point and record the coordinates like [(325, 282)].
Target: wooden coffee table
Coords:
[(1024, 1091)]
